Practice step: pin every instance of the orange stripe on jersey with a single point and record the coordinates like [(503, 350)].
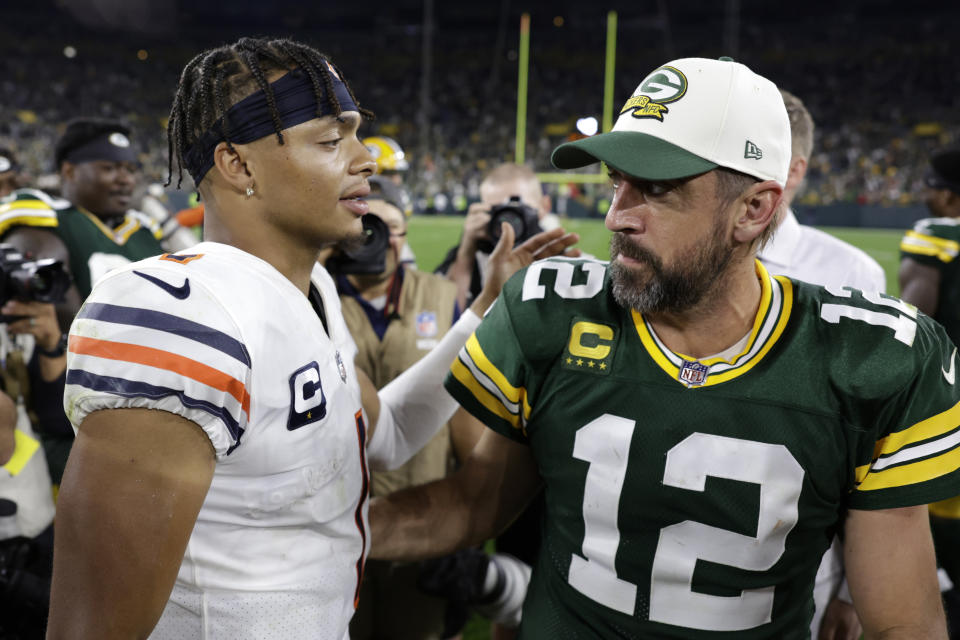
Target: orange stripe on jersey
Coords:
[(172, 362), (184, 259)]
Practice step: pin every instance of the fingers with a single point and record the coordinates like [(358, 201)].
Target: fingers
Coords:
[(562, 246), (505, 243), (552, 243), (541, 240)]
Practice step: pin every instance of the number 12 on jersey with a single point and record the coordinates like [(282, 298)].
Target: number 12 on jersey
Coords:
[(605, 444)]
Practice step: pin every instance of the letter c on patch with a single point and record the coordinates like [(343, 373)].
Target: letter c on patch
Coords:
[(598, 332)]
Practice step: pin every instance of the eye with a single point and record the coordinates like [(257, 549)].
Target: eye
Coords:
[(615, 178), (657, 188), (331, 143)]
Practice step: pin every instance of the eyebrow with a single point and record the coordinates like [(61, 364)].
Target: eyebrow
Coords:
[(347, 118)]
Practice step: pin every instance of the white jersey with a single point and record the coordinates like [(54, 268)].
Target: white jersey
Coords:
[(222, 338), (814, 256)]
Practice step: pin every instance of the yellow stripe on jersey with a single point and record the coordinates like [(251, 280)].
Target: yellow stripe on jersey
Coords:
[(767, 312), (23, 449), (29, 213), (484, 397), (479, 358), (938, 433), (908, 474), (949, 508), (932, 427), (924, 245)]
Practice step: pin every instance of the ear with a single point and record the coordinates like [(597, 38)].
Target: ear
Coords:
[(68, 171), (545, 205), (798, 170), (231, 166), (757, 210)]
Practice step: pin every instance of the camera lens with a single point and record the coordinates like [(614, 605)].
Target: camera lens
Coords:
[(510, 216)]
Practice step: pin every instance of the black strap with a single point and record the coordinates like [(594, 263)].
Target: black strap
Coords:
[(316, 300)]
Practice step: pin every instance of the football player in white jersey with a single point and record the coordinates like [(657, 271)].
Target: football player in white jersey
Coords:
[(217, 488)]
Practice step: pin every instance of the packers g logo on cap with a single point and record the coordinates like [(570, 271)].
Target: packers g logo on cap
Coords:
[(117, 139), (666, 84)]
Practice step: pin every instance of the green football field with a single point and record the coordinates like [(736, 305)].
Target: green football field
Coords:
[(432, 236)]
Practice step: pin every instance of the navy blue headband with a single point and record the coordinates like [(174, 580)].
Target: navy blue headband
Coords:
[(250, 118)]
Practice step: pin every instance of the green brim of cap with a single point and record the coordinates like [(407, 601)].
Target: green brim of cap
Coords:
[(636, 154)]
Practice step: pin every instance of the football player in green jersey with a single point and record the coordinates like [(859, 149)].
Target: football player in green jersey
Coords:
[(702, 429), (92, 230), (929, 278)]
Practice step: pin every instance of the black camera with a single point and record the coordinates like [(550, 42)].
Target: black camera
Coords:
[(366, 256), (523, 219), (42, 280)]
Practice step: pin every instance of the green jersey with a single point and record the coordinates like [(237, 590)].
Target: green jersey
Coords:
[(94, 248), (693, 498), (935, 242)]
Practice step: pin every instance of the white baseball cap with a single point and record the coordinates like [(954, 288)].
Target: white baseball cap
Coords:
[(690, 116)]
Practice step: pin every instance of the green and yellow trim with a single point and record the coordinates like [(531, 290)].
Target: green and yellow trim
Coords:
[(772, 316), (869, 478), (121, 234), (924, 245), (487, 398), (30, 213)]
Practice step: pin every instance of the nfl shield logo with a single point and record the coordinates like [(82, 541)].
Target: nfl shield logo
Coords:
[(693, 374), (426, 324)]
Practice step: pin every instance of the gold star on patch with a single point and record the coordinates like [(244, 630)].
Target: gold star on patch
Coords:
[(590, 363), (569, 360), (579, 362), (309, 414), (603, 365)]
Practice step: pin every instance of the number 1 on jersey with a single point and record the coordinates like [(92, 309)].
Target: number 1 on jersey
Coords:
[(605, 444)]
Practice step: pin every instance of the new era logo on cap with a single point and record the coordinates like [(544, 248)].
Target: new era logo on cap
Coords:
[(690, 116)]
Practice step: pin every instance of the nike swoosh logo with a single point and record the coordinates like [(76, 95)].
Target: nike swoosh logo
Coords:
[(950, 376), (179, 293)]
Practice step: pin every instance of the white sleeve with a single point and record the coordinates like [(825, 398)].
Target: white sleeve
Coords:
[(135, 344), (414, 405)]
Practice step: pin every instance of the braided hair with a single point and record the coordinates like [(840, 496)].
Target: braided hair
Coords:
[(218, 78)]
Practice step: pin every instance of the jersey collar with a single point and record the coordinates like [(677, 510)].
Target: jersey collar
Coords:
[(121, 234), (776, 302)]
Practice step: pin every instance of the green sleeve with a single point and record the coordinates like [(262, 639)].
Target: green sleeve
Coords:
[(912, 453)]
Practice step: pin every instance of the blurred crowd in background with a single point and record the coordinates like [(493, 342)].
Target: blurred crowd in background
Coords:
[(880, 91)]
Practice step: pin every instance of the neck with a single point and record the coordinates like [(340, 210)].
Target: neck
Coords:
[(293, 258), (724, 315)]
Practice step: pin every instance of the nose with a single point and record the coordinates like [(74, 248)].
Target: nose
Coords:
[(125, 175), (363, 162), (626, 210)]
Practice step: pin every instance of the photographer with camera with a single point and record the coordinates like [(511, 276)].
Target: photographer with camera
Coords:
[(396, 315), (28, 291), (511, 193), (91, 230)]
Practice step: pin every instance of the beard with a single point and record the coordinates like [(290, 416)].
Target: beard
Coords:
[(655, 288)]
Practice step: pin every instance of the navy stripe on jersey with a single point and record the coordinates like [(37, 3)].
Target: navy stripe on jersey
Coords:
[(169, 323), (133, 389)]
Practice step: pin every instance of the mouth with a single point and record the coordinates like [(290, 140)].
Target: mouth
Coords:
[(121, 197), (629, 254), (354, 201)]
